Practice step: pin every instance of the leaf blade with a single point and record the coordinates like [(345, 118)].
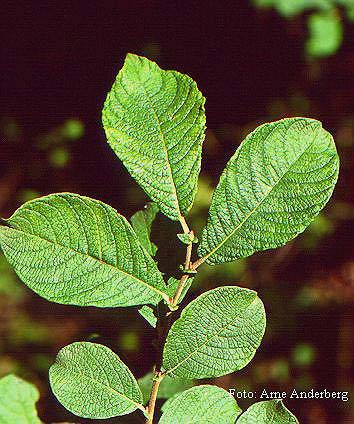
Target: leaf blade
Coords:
[(146, 111), (71, 249), (325, 33), (265, 198), (217, 333), (91, 381), (17, 401), (200, 405), (267, 412), (142, 222), (148, 314), (168, 387), (172, 285)]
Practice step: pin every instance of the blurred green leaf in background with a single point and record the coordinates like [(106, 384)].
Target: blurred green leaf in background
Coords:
[(325, 21)]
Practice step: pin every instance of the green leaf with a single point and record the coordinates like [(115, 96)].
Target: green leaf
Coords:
[(141, 223), (350, 12), (292, 8), (168, 387), (201, 405), (289, 9), (170, 289), (148, 313), (17, 401), (325, 34), (278, 180), (216, 334), (187, 238), (91, 381), (267, 412), (74, 250), (184, 238), (172, 285), (155, 122)]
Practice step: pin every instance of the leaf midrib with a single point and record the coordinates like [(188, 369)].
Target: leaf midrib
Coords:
[(216, 248), (164, 145), (162, 294), (82, 375), (237, 317)]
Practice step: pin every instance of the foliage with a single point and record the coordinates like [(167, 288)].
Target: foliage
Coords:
[(325, 34), (73, 241), (144, 127), (91, 381), (272, 159), (17, 401), (75, 250), (325, 22), (168, 387), (201, 404), (141, 223), (267, 412), (203, 345)]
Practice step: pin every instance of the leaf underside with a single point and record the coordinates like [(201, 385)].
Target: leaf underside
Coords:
[(278, 180), (91, 381), (168, 387), (155, 122), (148, 314), (74, 250), (172, 285), (267, 412), (201, 405), (184, 238), (142, 222), (217, 333), (17, 401)]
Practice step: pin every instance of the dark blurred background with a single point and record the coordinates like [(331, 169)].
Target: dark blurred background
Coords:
[(254, 62)]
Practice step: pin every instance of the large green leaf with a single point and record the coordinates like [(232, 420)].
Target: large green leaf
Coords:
[(278, 180), (91, 381), (17, 401), (168, 386), (141, 223), (201, 405), (75, 250), (155, 122), (217, 333), (267, 412)]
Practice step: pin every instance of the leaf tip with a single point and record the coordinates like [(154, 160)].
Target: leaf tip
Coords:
[(130, 57)]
